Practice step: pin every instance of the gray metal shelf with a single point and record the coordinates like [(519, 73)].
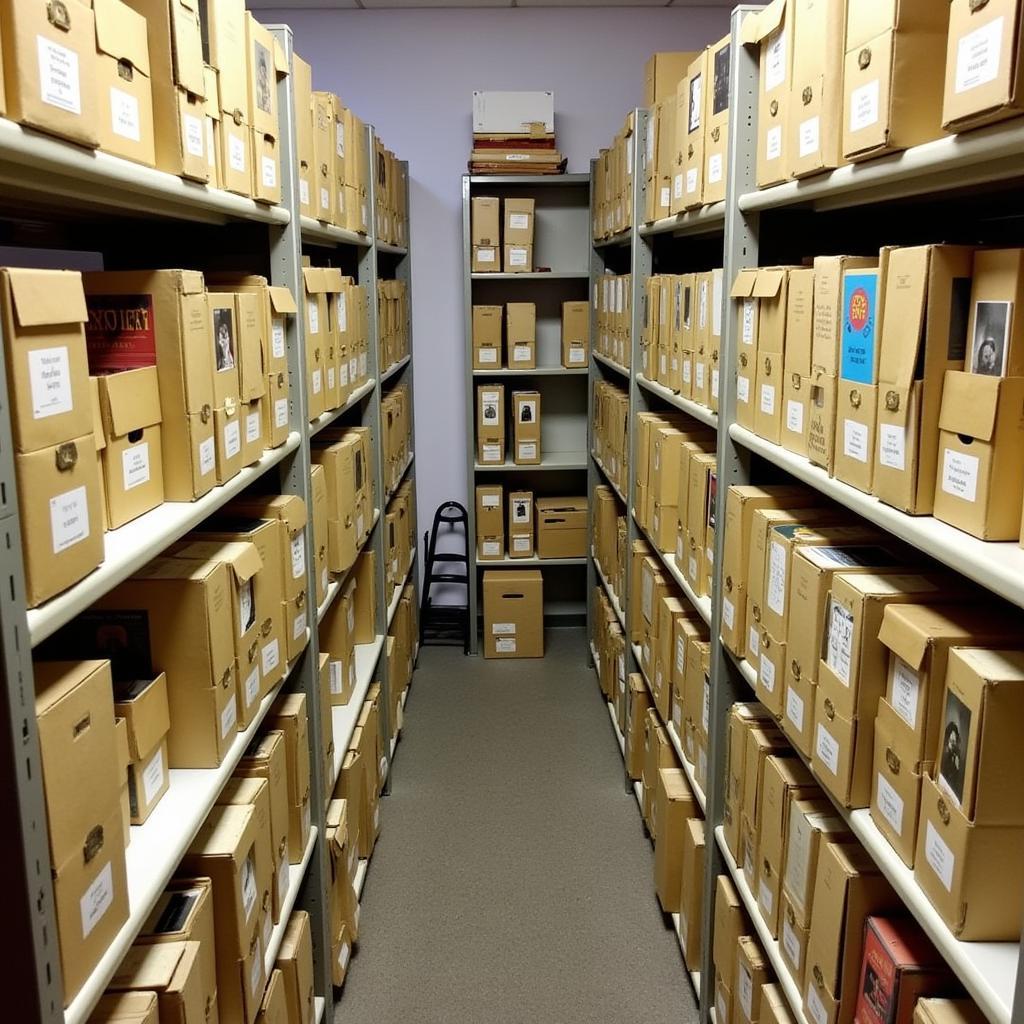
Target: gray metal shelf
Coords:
[(536, 275), (528, 180)]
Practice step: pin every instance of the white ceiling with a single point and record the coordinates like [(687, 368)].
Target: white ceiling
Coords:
[(340, 5)]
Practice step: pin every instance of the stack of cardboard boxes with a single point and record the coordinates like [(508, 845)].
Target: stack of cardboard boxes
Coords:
[(610, 538), (513, 613), (613, 184), (610, 431), (399, 539), (520, 336), (514, 133), (401, 646), (614, 315), (490, 428), (393, 318), (391, 213), (610, 651), (497, 246), (396, 418), (537, 528)]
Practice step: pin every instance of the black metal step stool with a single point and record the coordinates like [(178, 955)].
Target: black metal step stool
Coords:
[(446, 624)]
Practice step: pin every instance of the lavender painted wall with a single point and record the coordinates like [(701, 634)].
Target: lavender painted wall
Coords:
[(411, 74)]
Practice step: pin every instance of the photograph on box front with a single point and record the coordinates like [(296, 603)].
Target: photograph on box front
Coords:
[(490, 410), (263, 98), (224, 338), (695, 102), (528, 412), (991, 336), (520, 510), (956, 733), (246, 607), (720, 97)]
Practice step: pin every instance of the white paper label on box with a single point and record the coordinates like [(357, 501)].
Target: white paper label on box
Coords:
[(487, 355), (232, 439), (277, 339), (281, 412), (58, 76), (855, 440), (69, 518), (864, 106), (135, 465), (249, 894), (519, 221), (906, 689), (492, 453), (49, 373), (773, 143), (269, 165), (303, 191), (705, 711), (485, 255), (940, 857), (766, 675), (677, 717), (343, 955), (715, 169), (960, 474), (577, 354), (505, 645), (691, 181), (336, 676), (193, 131), (977, 56), (775, 62), (353, 369), (124, 115), (503, 629), (521, 353), (252, 686), (765, 897), (810, 136), (815, 1005), (776, 590), (714, 382), (663, 365), (252, 427), (318, 381), (754, 642), (699, 376), (892, 446), (743, 388), (492, 549), (313, 311), (206, 456), (96, 900), (298, 556), (728, 613), (795, 709), (795, 417), (343, 373), (299, 626), (362, 364), (228, 718), (790, 943), (890, 804), (517, 257), (839, 650), (256, 971), (665, 197), (746, 990), (331, 377), (236, 153), (687, 371), (768, 399), (749, 317), (677, 188), (325, 199), (527, 450), (693, 569), (521, 543), (827, 749), (153, 776)]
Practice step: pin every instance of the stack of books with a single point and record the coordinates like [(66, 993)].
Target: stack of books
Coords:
[(514, 133)]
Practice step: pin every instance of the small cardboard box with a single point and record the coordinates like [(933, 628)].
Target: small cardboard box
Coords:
[(689, 138), (171, 970), (295, 962), (486, 221), (302, 84), (772, 28), (662, 72), (486, 337), (126, 1008), (261, 77), (521, 334), (526, 428), (980, 475), (513, 614), (895, 786), (731, 922), (575, 334), (674, 805), (947, 1011), (772, 291), (520, 524), (812, 825), (490, 522), (274, 1007), (716, 114), (984, 72), (486, 259), (692, 892), (752, 973), (518, 222), (142, 704), (336, 640), (255, 793), (289, 715), (562, 527), (517, 259), (490, 423)]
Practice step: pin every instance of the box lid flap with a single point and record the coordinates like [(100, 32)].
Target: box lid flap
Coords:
[(126, 1008), (56, 679), (334, 279), (188, 47), (149, 966), (47, 296), (903, 636), (281, 299), (768, 283), (970, 402), (223, 830), (212, 107), (759, 26), (561, 505), (242, 556), (743, 286), (903, 314), (314, 279), (121, 33), (130, 400), (280, 60)]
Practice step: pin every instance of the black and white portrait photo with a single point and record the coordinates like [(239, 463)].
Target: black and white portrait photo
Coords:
[(956, 733), (720, 97), (520, 510), (263, 78), (527, 412), (991, 337), (224, 338)]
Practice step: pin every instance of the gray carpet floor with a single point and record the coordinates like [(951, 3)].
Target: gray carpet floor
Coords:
[(512, 881)]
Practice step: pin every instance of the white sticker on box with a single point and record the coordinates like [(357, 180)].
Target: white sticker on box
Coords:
[(517, 257), (313, 311), (753, 642), (505, 645), (206, 456), (855, 440), (336, 676), (325, 199), (49, 374), (503, 629), (362, 364), (815, 1005), (124, 115), (665, 197), (236, 153), (343, 955), (864, 106), (343, 373), (810, 136), (960, 474), (687, 371), (693, 569), (705, 711), (487, 355), (890, 804), (743, 388), (58, 76), (303, 191), (677, 717), (827, 749), (766, 674), (765, 897), (318, 381), (768, 399), (277, 339), (795, 417), (577, 354), (746, 990), (232, 439), (940, 857), (269, 165), (492, 549), (96, 900), (839, 649), (749, 318), (775, 61), (249, 894), (978, 55), (331, 377), (256, 971), (691, 181), (153, 776), (521, 543), (252, 686), (492, 452), (677, 188), (252, 427), (715, 169), (728, 613), (892, 446), (485, 255), (298, 556), (906, 688), (228, 718), (193, 127), (69, 518), (773, 143), (790, 943), (527, 450), (795, 709), (519, 221), (699, 376), (521, 353), (353, 368), (281, 412), (776, 590), (135, 465)]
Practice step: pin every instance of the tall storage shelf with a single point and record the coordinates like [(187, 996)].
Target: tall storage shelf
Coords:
[(560, 274), (974, 174), (101, 202)]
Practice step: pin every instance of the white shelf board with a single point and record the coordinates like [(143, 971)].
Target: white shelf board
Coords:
[(702, 604), (321, 1004), (957, 161), (623, 237), (694, 975), (335, 585), (608, 478), (296, 873), (156, 849), (768, 944), (609, 362), (394, 368), (61, 174), (537, 371), (549, 461), (345, 716), (529, 180), (401, 476), (997, 566), (618, 732), (536, 275), (129, 548), (490, 563), (697, 411), (612, 597), (688, 769), (327, 234), (704, 221), (327, 418), (394, 250), (360, 880), (397, 595)]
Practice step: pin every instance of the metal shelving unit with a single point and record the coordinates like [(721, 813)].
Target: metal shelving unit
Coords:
[(62, 181), (561, 231)]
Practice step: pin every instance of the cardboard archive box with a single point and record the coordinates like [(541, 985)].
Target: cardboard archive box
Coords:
[(662, 72), (575, 334), (490, 522), (487, 338), (716, 120), (526, 430), (772, 28), (521, 334), (561, 527), (142, 704), (520, 524), (490, 424), (513, 614)]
